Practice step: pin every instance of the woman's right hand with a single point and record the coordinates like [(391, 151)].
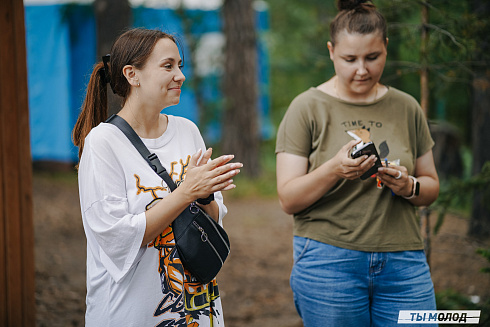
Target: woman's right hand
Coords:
[(205, 176), (348, 168)]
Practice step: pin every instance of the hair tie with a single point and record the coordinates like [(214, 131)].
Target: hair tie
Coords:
[(105, 76), (351, 4)]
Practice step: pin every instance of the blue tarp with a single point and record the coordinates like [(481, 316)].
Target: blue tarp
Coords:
[(61, 51)]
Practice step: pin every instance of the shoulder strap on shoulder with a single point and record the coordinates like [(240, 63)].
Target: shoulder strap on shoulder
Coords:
[(151, 158)]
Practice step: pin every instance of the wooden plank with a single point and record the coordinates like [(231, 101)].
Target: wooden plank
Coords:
[(16, 227), (5, 26), (3, 243), (11, 171), (25, 166)]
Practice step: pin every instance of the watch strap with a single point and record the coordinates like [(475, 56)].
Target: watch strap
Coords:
[(206, 201)]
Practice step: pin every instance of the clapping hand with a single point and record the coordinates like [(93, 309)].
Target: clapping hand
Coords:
[(205, 175)]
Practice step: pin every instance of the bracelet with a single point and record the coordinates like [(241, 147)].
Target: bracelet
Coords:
[(415, 188), (206, 201)]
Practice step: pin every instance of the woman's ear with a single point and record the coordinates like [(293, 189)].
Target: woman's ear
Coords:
[(130, 73), (330, 49)]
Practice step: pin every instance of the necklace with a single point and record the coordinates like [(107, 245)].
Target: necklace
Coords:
[(338, 95)]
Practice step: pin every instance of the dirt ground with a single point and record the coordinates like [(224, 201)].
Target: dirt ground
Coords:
[(254, 283)]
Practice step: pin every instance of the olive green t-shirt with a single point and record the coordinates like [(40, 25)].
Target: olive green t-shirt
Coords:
[(355, 214)]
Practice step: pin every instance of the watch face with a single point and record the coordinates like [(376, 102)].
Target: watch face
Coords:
[(417, 188)]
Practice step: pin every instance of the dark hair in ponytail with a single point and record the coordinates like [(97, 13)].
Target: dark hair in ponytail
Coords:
[(357, 16), (94, 108), (133, 47)]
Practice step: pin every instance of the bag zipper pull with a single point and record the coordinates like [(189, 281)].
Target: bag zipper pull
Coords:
[(204, 236)]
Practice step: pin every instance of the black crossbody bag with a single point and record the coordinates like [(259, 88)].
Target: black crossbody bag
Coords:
[(202, 243)]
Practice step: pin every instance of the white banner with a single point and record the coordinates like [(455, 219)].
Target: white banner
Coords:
[(439, 317)]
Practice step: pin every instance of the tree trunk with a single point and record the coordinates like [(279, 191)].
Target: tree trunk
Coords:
[(112, 18), (424, 71), (240, 126), (424, 212), (480, 218)]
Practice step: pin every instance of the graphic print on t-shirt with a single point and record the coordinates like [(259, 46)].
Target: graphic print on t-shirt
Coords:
[(183, 296)]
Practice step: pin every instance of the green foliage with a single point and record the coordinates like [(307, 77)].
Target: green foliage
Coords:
[(297, 43), (451, 300), (486, 254), (264, 186), (447, 58), (458, 192)]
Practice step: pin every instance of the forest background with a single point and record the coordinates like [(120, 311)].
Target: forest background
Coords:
[(438, 52)]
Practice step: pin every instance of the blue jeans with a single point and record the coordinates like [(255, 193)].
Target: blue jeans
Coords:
[(339, 287)]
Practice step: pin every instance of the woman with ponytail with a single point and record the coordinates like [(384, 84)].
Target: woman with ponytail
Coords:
[(358, 252), (134, 274)]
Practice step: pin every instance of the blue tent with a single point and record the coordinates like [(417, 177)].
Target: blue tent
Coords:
[(61, 51)]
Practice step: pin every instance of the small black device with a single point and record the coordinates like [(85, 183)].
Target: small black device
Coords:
[(368, 149)]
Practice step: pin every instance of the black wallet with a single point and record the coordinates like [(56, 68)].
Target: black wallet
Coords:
[(368, 149)]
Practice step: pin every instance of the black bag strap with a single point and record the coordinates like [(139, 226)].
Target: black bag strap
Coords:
[(151, 158)]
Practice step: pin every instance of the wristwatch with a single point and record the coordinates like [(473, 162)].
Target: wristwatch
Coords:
[(206, 201), (415, 189)]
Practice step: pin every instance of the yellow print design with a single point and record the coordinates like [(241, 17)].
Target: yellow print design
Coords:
[(183, 295), (183, 170)]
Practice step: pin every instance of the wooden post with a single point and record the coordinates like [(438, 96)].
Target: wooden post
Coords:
[(17, 287)]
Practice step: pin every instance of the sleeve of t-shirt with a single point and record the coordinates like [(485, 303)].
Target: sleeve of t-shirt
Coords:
[(117, 232), (424, 138), (294, 133)]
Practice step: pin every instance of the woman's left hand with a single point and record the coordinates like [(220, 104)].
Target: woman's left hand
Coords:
[(205, 175), (396, 178)]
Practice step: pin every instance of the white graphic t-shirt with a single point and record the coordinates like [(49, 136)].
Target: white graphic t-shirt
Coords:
[(130, 285)]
